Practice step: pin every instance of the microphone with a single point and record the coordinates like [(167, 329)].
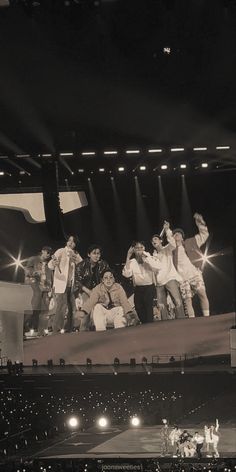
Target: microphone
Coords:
[(162, 231)]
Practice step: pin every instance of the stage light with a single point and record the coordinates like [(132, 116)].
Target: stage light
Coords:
[(62, 362), (166, 50), (89, 153), (132, 362), (164, 167), (200, 148), (34, 363), (132, 151), (177, 149), (142, 168), (102, 422), (17, 262), (135, 421), (73, 422), (2, 173), (154, 150), (101, 169), (46, 155), (121, 169), (107, 153), (89, 362), (116, 362), (219, 148), (80, 171), (183, 166), (204, 165), (66, 154)]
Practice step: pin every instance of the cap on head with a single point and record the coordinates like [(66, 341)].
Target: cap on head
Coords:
[(157, 236), (47, 248), (179, 230)]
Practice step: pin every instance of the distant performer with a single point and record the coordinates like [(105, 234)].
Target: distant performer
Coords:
[(165, 438), (186, 446), (188, 261), (141, 268), (199, 441), (167, 277), (108, 304), (212, 439), (175, 440), (63, 263), (39, 276)]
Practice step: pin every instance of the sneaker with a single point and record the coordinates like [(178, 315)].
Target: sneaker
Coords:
[(62, 331), (31, 334)]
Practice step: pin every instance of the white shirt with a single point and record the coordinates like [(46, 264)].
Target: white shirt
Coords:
[(198, 439), (185, 267), (65, 272), (142, 274), (167, 269)]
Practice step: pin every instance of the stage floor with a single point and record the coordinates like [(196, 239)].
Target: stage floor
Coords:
[(203, 337), (140, 442)]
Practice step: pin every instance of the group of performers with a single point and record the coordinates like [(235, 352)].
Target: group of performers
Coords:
[(84, 294), (184, 444)]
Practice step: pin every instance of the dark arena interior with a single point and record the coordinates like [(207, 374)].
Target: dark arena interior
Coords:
[(117, 235)]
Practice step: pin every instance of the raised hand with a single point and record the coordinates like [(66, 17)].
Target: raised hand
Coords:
[(130, 252), (199, 219), (166, 226)]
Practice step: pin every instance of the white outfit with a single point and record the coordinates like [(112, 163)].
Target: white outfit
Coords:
[(167, 270), (142, 274), (103, 317), (212, 438), (64, 274), (185, 267)]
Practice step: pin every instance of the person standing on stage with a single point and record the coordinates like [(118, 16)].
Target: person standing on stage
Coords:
[(165, 438), (175, 440), (199, 440), (88, 272), (212, 439), (63, 263), (39, 276), (140, 268), (167, 278), (187, 259)]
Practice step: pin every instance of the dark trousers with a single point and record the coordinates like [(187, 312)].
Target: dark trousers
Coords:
[(40, 304), (65, 306), (198, 450), (143, 301)]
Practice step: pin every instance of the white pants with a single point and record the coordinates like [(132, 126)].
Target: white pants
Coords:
[(103, 317)]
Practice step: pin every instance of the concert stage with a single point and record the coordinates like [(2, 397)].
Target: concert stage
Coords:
[(193, 337), (140, 442)]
